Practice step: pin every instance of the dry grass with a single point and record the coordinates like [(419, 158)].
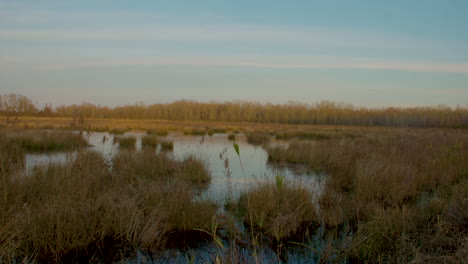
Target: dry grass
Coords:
[(157, 132), (149, 165), (166, 144), (402, 193), (376, 183), (317, 134), (127, 141), (81, 211), (281, 211), (150, 140), (231, 137), (34, 141), (123, 125), (196, 132), (258, 138)]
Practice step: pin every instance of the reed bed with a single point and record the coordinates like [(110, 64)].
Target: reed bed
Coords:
[(127, 141), (231, 137), (35, 141), (166, 144), (281, 210), (395, 196), (82, 211), (118, 131), (316, 134), (150, 140), (377, 184), (195, 132), (258, 138)]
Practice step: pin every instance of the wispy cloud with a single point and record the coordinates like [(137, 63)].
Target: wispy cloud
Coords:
[(271, 62), (265, 34)]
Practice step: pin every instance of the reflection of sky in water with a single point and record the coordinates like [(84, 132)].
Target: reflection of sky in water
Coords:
[(212, 149)]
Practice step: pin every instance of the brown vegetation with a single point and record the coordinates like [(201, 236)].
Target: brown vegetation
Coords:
[(292, 113), (82, 211), (31, 140), (257, 138), (281, 211), (126, 141), (149, 141), (397, 195), (377, 186)]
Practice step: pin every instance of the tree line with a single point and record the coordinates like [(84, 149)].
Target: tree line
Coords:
[(324, 112)]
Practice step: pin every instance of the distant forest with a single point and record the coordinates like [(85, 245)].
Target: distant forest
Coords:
[(325, 112)]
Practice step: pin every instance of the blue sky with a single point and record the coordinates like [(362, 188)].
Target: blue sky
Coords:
[(368, 53)]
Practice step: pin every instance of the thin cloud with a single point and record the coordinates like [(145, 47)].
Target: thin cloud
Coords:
[(284, 62), (223, 33)]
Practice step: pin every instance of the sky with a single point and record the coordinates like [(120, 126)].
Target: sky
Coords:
[(369, 53)]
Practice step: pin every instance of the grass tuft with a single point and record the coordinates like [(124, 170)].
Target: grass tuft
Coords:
[(280, 210), (150, 140), (258, 138), (127, 142)]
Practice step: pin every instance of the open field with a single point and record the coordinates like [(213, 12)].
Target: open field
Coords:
[(391, 195)]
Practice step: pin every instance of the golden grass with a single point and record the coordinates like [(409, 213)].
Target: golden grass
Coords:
[(34, 141), (107, 124), (127, 141), (80, 210), (376, 183), (402, 192), (157, 132), (150, 141), (281, 211), (258, 138), (231, 137), (166, 144)]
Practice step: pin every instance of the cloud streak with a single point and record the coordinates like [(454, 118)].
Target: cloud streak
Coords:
[(267, 35), (38, 63)]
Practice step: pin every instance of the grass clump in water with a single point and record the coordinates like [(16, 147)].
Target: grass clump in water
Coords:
[(258, 138), (118, 131), (149, 141), (167, 144), (34, 141), (231, 137), (149, 165), (127, 142), (194, 170), (280, 210)]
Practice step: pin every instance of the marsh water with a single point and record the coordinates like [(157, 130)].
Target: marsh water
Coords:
[(229, 171), (231, 174)]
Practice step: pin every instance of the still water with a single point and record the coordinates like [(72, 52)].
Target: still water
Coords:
[(228, 170), (230, 173)]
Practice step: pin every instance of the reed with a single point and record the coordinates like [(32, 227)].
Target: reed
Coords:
[(127, 142), (81, 211), (150, 140), (377, 183), (257, 138), (35, 141), (281, 210), (167, 144)]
